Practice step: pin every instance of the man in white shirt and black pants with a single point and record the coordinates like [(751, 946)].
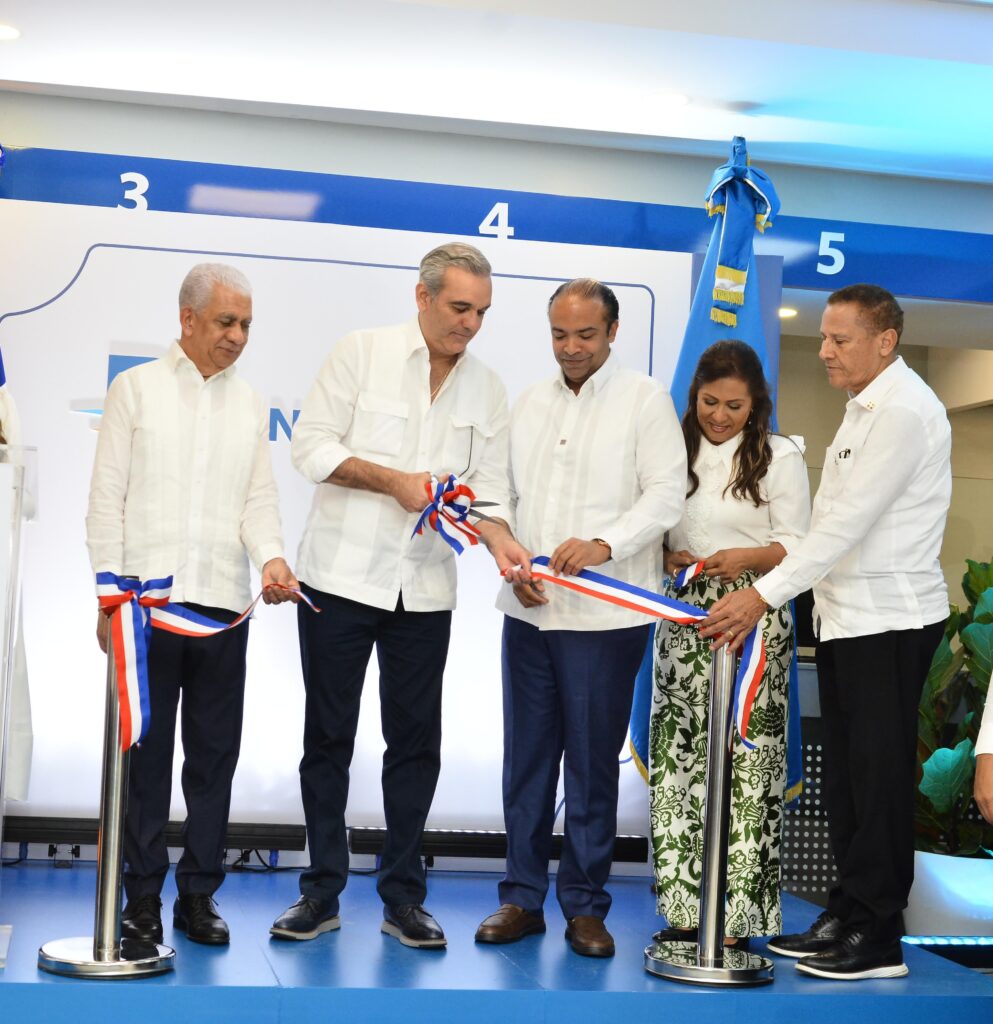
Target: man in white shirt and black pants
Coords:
[(390, 406), (880, 605), (182, 486), (598, 468)]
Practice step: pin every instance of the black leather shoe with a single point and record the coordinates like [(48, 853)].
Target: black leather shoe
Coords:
[(196, 914), (824, 932), (141, 919), (676, 935), (854, 957), (413, 926), (306, 919)]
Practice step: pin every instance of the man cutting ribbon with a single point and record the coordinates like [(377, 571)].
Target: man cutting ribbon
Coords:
[(390, 407), (182, 485), (598, 472)]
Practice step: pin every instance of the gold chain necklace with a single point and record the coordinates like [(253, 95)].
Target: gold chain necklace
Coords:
[(441, 384)]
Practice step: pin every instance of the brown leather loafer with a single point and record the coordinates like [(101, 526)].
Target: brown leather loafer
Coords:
[(589, 937), (509, 924)]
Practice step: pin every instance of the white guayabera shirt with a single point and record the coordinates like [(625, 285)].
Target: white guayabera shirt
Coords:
[(609, 462), (878, 517), (182, 482)]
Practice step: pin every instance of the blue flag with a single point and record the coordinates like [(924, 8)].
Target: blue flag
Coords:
[(726, 304)]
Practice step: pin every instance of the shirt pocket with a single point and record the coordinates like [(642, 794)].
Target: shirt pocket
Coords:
[(378, 424), (838, 463), (465, 440)]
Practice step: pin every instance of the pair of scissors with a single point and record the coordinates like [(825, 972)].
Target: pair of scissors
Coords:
[(474, 511)]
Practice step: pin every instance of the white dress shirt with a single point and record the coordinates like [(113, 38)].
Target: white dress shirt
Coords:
[(984, 742), (714, 519), (371, 400), (182, 482), (879, 515), (610, 463)]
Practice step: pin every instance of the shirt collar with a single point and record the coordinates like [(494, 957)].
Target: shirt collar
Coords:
[(598, 381), (720, 453), (880, 386), (175, 357)]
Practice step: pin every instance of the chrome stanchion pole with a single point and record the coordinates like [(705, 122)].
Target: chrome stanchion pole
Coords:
[(106, 954), (709, 961)]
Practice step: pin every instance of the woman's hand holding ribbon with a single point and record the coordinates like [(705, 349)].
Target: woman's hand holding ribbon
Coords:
[(673, 561), (733, 617)]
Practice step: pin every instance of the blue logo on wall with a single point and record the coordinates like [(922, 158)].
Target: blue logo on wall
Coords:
[(119, 362)]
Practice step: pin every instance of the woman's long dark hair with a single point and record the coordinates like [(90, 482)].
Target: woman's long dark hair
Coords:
[(751, 463)]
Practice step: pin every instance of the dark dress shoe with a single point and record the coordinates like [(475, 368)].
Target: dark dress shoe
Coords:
[(412, 925), (676, 935), (509, 924), (589, 937), (854, 957), (824, 932), (196, 914), (141, 919), (306, 919)]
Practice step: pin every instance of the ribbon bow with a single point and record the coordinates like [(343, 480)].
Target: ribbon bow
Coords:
[(449, 503), (149, 607)]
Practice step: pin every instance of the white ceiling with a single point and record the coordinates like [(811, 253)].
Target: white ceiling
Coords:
[(896, 86)]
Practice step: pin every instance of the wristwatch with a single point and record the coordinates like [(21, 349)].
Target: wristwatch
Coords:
[(602, 542)]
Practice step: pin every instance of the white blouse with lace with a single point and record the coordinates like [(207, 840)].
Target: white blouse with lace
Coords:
[(714, 519)]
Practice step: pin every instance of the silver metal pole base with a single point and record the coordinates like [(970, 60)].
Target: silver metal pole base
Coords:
[(74, 957), (680, 961)]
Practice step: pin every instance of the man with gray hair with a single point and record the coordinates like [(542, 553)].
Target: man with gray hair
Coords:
[(390, 407), (182, 486)]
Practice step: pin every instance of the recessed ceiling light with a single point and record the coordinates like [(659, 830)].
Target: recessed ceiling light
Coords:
[(787, 312), (8, 32)]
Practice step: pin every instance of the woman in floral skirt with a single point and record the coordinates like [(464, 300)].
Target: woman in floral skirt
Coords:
[(747, 501)]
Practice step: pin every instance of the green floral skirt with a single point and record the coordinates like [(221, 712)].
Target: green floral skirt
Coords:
[(678, 772)]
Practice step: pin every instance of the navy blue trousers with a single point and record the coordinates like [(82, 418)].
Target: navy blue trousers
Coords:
[(335, 647), (209, 674), (565, 692)]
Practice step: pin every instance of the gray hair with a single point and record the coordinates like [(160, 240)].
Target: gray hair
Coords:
[(452, 254), (199, 283)]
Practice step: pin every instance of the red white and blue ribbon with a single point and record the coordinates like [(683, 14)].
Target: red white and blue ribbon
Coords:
[(686, 574), (137, 609), (448, 506), (625, 595)]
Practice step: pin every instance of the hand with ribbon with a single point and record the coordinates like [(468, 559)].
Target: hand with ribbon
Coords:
[(733, 617), (449, 504), (130, 609), (278, 582)]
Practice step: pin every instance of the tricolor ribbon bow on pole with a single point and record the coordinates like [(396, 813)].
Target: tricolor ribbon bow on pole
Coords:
[(449, 503), (138, 607)]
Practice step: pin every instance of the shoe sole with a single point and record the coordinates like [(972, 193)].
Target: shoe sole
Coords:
[(332, 924), (896, 971), (780, 951), (502, 940), (180, 926), (392, 929), (597, 951)]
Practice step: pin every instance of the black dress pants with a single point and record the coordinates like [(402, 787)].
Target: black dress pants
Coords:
[(870, 688), (209, 673), (335, 647)]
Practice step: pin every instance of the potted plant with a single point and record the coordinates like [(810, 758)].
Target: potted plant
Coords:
[(948, 822)]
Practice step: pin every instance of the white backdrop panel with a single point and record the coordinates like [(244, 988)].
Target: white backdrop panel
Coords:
[(124, 301)]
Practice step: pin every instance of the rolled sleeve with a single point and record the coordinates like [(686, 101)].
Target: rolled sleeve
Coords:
[(317, 449)]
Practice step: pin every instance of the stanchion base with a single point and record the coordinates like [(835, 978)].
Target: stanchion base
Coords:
[(74, 957), (680, 961)]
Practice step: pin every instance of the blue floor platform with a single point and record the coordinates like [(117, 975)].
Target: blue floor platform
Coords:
[(358, 974)]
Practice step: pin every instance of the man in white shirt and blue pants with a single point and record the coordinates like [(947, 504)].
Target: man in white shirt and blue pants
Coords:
[(389, 407), (598, 468), (880, 605), (182, 486)]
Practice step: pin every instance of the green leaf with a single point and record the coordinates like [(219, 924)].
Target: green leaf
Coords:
[(983, 611), (978, 639), (978, 577), (947, 773)]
